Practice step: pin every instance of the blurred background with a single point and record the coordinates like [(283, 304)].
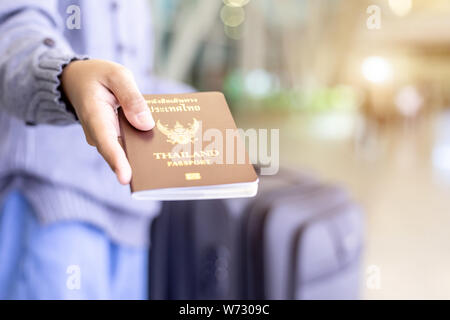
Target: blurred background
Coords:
[(360, 91)]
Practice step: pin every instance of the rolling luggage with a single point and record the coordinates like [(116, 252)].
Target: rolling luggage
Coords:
[(298, 239), (191, 249)]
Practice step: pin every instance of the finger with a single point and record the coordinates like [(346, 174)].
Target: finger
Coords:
[(114, 155), (90, 141), (109, 147), (123, 86)]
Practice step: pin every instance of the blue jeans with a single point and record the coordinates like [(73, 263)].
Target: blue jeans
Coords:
[(65, 260)]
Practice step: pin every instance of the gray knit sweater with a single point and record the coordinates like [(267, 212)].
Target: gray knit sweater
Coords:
[(43, 152)]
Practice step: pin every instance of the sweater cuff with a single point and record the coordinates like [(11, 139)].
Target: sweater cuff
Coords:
[(48, 104)]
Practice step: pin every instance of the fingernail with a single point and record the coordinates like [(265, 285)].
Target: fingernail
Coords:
[(145, 119)]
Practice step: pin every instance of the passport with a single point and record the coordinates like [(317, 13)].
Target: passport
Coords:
[(194, 151)]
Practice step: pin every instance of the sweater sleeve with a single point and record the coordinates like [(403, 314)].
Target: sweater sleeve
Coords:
[(33, 53)]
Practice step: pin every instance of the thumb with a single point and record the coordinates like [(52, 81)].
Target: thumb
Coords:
[(134, 106)]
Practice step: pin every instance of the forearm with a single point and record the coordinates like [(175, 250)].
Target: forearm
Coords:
[(33, 53)]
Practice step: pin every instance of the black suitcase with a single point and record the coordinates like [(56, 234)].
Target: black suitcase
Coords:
[(298, 239), (191, 249)]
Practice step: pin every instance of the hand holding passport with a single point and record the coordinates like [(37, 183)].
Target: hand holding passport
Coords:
[(169, 161), (95, 88), (194, 151)]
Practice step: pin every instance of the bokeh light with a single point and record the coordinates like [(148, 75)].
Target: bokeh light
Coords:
[(235, 33), (376, 69), (232, 16), (400, 7), (408, 101), (236, 3), (258, 82)]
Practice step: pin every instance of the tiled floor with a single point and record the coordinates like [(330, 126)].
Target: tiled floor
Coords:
[(390, 172)]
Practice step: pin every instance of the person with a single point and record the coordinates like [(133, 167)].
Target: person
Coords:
[(68, 226)]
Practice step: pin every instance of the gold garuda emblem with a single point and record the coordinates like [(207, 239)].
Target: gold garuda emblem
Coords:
[(179, 134)]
